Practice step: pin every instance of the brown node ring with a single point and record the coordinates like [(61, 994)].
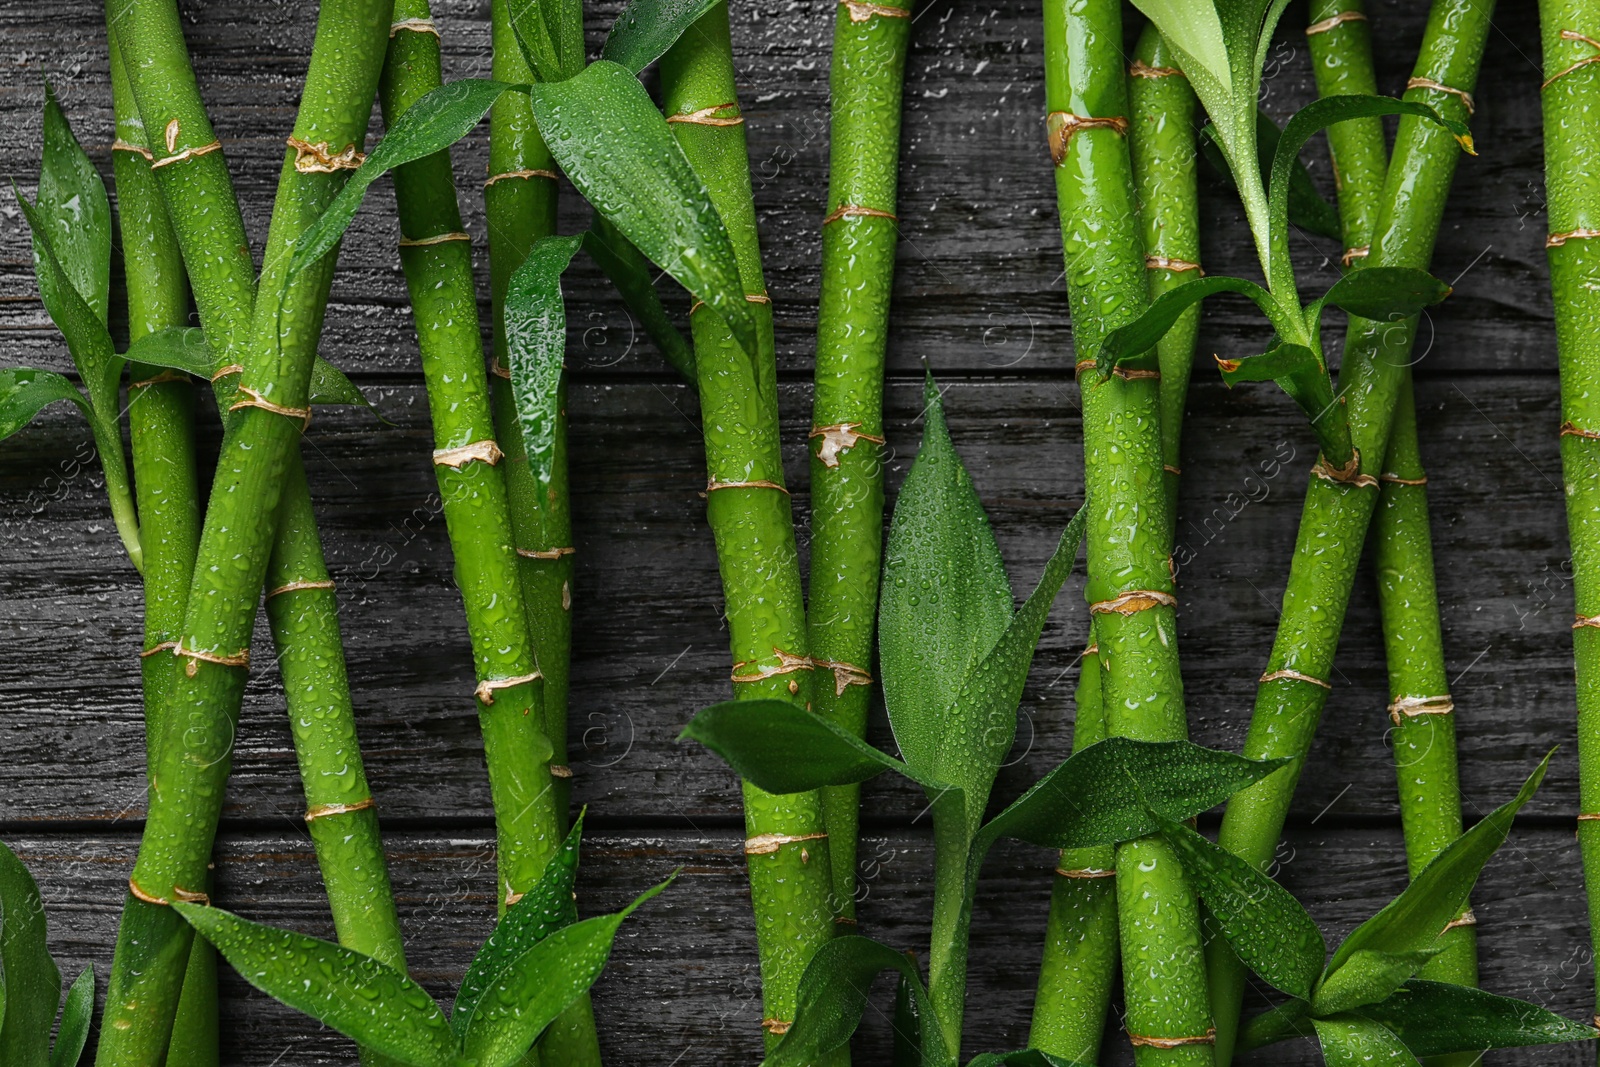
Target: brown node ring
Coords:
[(155, 650), (1134, 601), (1061, 125), (845, 920), (187, 153), (499, 370), (436, 239), (1569, 430), (857, 211), (1395, 479), (148, 898), (767, 844), (119, 145), (776, 1026), (788, 663), (537, 172), (560, 770), (860, 11), (1440, 87), (164, 376), (1170, 469), (1349, 474), (1134, 374), (196, 657), (486, 688), (1141, 69), (1141, 1040), (750, 298), (712, 487), (547, 553), (1589, 817), (1087, 872), (1287, 675), (320, 158), (253, 399), (295, 587), (323, 811), (1177, 266), (838, 438), (1412, 707), (1334, 21), (844, 674), (1353, 254), (415, 26), (1466, 918), (1574, 35), (708, 116), (223, 372), (1556, 240), (478, 451)]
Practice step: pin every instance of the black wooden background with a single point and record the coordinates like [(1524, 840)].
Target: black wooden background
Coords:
[(979, 295)]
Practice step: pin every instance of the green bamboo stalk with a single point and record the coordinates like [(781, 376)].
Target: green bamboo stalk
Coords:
[(1340, 42), (1569, 29), (473, 485), (748, 511), (1130, 583), (186, 790), (161, 432), (859, 235), (1294, 687)]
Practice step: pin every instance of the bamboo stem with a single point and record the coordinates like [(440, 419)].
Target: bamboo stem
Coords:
[(754, 530), (859, 235)]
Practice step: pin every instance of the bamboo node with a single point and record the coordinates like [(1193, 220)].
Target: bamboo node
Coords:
[(223, 372), (1569, 430), (535, 172), (845, 920), (436, 239), (547, 553), (323, 811), (713, 486), (1134, 601), (839, 438), (155, 650), (1589, 817), (1411, 707), (860, 11), (1170, 469), (481, 451), (1061, 125), (856, 211), (1086, 872), (1287, 675), (1440, 87), (750, 298), (499, 370), (415, 26), (196, 657), (187, 153), (1352, 254), (1466, 918), (1335, 21), (486, 688), (1141, 69), (164, 376), (1556, 240), (766, 844), (119, 145), (1586, 620), (296, 586), (788, 663), (1349, 474), (320, 158), (512, 897), (1574, 35), (1092, 650), (560, 770), (709, 116), (1177, 266), (1395, 479), (148, 898), (1134, 374), (253, 399), (776, 1026), (1140, 1040), (844, 674)]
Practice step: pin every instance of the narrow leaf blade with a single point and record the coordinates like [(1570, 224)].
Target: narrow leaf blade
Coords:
[(1385, 293), (73, 1032), (647, 28), (1142, 334), (1436, 1018), (180, 348), (32, 982), (1351, 1041), (536, 344), (1282, 360), (76, 211), (330, 385), (1366, 978), (631, 274), (782, 748), (25, 391)]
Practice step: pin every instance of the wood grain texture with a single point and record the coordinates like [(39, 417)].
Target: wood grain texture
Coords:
[(979, 296)]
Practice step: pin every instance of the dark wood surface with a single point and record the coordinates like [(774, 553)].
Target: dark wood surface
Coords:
[(978, 295)]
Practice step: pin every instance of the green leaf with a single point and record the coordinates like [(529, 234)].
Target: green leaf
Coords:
[(536, 344), (32, 982), (614, 145), (1141, 335), (946, 600), (1264, 925), (432, 124), (1290, 1019), (25, 391), (647, 28), (1366, 978), (782, 748), (1027, 1057), (907, 1022), (330, 385), (75, 1017), (1308, 210), (534, 37), (1351, 1041), (982, 722), (1385, 293), (1436, 1018), (1413, 921), (1281, 360), (833, 996), (631, 274), (1105, 793), (543, 909), (370, 1003), (175, 348), (529, 992), (76, 212), (1319, 115), (1192, 26)]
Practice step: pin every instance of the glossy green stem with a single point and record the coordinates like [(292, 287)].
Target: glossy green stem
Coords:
[(859, 235), (1288, 706), (788, 855), (1341, 61), (161, 432), (529, 810), (276, 351), (1130, 530), (1572, 186)]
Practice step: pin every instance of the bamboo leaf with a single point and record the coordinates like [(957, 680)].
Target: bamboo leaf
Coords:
[(1308, 209), (25, 391), (1366, 978), (1264, 925), (76, 212), (529, 992), (32, 982), (631, 274), (73, 1033), (1106, 793), (330, 385), (946, 600), (1436, 1018), (1193, 27), (833, 996), (647, 28), (907, 1022), (1436, 897), (432, 124), (614, 145), (180, 348), (1280, 361), (982, 723), (1141, 335), (370, 1003), (1385, 293), (536, 344), (1290, 1019), (1351, 1041), (782, 748), (533, 32), (543, 909)]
